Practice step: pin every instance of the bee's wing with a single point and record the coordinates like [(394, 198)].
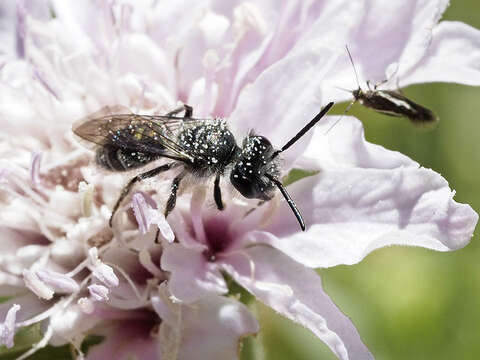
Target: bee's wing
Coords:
[(146, 133)]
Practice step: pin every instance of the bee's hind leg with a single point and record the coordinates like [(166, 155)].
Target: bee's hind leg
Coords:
[(138, 178), (217, 193)]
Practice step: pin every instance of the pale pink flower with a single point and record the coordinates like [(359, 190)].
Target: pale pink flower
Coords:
[(264, 66)]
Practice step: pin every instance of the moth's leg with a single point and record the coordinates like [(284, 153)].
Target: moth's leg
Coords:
[(138, 178), (217, 193), (398, 87), (187, 108), (379, 83), (173, 193)]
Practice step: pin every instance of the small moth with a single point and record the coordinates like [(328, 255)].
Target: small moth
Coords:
[(390, 102)]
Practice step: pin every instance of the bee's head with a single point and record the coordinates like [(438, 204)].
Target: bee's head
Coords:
[(254, 167)]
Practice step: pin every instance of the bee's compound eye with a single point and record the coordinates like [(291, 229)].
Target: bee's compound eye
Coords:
[(243, 184), (252, 187)]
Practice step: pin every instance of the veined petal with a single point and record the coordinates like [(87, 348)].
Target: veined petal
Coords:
[(141, 344), (287, 101), (192, 282), (296, 292), (212, 329), (351, 212), (453, 56)]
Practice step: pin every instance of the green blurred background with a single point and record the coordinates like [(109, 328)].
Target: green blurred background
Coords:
[(410, 303)]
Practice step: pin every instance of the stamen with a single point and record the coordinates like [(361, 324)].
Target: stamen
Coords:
[(101, 271), (20, 30), (139, 210), (285, 290), (98, 292), (87, 192), (41, 344), (86, 305), (42, 316), (129, 280), (35, 169), (268, 215), (39, 76), (7, 328), (37, 286), (249, 258), (146, 214), (57, 281)]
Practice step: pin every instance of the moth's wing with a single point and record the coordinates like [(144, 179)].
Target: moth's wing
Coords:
[(416, 113)]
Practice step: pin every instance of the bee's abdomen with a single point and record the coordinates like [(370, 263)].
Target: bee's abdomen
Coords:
[(114, 158)]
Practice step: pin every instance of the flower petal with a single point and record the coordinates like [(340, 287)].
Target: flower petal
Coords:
[(125, 340), (391, 32), (296, 292), (352, 211), (453, 56), (283, 99), (213, 327), (192, 277)]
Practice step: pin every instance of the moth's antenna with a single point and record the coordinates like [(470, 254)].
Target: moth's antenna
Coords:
[(354, 100), (343, 89), (290, 202), (304, 130), (354, 69)]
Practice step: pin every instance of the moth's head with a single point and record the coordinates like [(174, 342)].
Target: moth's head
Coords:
[(357, 94), (252, 168)]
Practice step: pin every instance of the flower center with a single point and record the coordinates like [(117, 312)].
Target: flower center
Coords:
[(218, 237)]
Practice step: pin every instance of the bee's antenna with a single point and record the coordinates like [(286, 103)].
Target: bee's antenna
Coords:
[(290, 202), (354, 69), (304, 130), (341, 117)]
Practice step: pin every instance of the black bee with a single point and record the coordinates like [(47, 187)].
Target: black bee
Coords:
[(203, 148), (391, 103)]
